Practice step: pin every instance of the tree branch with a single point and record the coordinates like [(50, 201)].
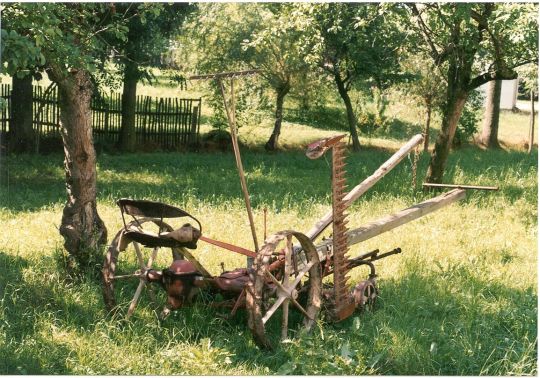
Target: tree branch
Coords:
[(489, 76), (426, 33)]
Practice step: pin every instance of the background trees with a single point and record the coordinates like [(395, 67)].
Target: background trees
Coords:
[(150, 29), (352, 43), (67, 41), (472, 44)]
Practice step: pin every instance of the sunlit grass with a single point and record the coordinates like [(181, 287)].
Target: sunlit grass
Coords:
[(460, 299)]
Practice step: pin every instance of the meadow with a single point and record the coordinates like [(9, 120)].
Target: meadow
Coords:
[(460, 300)]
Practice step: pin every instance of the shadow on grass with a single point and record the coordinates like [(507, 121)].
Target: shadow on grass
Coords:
[(279, 181), (34, 299), (451, 322)]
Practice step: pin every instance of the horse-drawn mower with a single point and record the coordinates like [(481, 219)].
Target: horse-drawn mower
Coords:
[(286, 273)]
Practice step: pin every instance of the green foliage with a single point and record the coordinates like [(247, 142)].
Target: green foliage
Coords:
[(470, 118), (58, 36), (358, 41)]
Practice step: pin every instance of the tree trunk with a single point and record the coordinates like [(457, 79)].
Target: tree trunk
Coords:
[(273, 142), (83, 230), (439, 156), (351, 117), (490, 128), (531, 129), (127, 141), (21, 137), (429, 107)]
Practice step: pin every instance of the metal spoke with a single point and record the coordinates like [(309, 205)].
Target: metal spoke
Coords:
[(152, 258), (273, 309), (124, 276), (286, 281), (289, 295), (302, 273), (135, 299), (139, 254)]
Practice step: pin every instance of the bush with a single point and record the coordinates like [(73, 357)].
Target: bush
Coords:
[(468, 123)]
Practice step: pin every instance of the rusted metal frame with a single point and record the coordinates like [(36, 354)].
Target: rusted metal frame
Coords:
[(238, 302), (230, 247)]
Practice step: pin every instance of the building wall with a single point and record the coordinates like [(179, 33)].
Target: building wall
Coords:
[(509, 92)]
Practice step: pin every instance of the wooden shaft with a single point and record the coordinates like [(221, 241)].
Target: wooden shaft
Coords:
[(458, 186), (363, 187), (392, 221), (243, 183)]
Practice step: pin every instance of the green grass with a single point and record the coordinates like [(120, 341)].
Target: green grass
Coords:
[(460, 299)]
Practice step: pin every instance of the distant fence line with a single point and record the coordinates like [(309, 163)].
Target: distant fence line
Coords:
[(165, 122)]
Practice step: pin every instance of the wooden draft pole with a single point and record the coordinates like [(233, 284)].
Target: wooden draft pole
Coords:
[(392, 221), (230, 110), (363, 187)]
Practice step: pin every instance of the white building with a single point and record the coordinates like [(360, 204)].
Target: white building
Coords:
[(509, 92)]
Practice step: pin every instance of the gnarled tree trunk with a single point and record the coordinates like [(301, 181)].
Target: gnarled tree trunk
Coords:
[(439, 156), (21, 137), (490, 127), (351, 117), (273, 142), (82, 228), (128, 139)]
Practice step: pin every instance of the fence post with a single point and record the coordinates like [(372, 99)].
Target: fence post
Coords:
[(194, 122)]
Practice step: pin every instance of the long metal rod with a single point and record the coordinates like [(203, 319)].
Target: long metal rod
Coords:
[(234, 138), (457, 186), (230, 247)]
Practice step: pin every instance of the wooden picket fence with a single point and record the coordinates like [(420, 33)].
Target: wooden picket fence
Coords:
[(168, 123)]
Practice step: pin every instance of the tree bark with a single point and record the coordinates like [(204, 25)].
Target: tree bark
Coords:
[(83, 230), (429, 107), (490, 128), (351, 117), (21, 132), (273, 142), (531, 122), (128, 136), (439, 156)]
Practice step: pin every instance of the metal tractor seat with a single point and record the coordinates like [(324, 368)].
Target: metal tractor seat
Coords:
[(185, 236)]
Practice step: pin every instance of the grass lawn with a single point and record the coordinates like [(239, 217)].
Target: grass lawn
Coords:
[(460, 300)]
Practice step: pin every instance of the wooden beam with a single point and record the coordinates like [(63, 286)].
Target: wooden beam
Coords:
[(363, 187), (459, 186), (392, 221)]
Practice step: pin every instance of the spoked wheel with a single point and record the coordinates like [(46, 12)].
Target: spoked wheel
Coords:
[(125, 272), (276, 282)]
